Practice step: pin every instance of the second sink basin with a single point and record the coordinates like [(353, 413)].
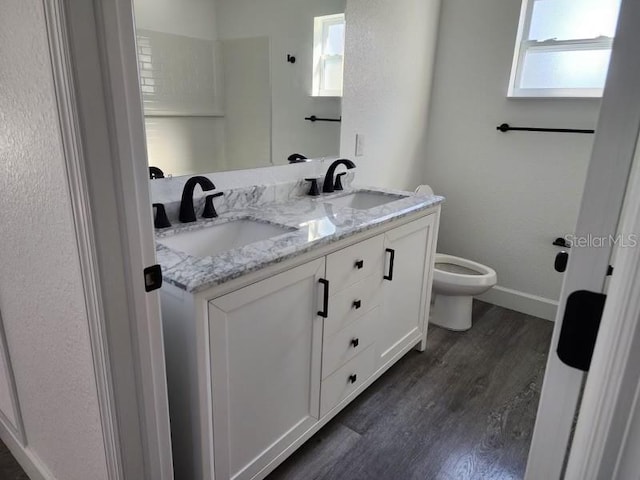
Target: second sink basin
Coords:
[(363, 200), (216, 239)]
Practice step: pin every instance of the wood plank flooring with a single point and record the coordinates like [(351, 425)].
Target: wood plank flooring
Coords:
[(464, 409), (9, 468)]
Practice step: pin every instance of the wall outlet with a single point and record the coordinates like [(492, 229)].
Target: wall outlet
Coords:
[(359, 144)]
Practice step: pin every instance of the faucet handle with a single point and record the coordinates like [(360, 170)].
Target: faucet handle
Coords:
[(314, 191), (209, 208), (338, 184), (161, 220)]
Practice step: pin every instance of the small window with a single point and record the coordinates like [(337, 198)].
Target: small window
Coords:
[(563, 48), (328, 55)]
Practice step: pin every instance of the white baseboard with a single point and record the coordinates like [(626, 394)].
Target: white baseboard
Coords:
[(29, 461), (521, 302)]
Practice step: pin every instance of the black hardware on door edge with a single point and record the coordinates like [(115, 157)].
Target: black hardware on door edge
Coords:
[(580, 327), (561, 242), (152, 278), (353, 378), (562, 258), (391, 260), (324, 313)]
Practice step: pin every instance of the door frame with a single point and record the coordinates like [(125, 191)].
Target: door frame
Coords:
[(607, 176), (102, 38), (611, 391), (92, 47)]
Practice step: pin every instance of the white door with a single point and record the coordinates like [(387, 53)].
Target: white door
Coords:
[(613, 151), (266, 342)]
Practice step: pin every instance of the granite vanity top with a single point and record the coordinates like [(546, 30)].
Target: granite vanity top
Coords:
[(312, 221)]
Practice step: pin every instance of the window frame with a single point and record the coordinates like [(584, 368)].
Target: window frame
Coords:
[(522, 46), (321, 26)]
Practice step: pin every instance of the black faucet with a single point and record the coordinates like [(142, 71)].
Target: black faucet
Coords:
[(328, 186), (187, 212)]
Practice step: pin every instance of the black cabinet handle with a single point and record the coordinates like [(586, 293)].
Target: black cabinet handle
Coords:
[(353, 378), (391, 260), (357, 304), (355, 342), (359, 264), (324, 313)]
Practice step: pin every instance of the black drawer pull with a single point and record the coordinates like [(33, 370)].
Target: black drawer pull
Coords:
[(324, 313), (357, 304), (353, 378), (391, 260), (359, 264), (355, 342)]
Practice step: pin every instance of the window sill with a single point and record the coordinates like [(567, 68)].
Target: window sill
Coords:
[(544, 93)]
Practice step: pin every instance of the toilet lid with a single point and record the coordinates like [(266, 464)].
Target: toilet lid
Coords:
[(457, 269)]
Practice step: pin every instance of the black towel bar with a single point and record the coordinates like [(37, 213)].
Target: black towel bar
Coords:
[(313, 118), (505, 127)]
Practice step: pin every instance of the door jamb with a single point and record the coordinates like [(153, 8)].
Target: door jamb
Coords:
[(607, 176)]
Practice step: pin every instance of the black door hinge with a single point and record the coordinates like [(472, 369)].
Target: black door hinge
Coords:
[(152, 278), (580, 327)]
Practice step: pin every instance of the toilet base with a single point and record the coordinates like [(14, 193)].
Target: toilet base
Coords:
[(452, 312)]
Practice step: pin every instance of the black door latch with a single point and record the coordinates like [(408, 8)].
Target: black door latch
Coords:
[(562, 258), (152, 278)]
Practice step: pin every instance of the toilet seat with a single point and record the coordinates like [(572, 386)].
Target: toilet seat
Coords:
[(451, 283)]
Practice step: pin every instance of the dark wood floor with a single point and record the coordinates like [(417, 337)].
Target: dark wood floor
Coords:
[(9, 468), (464, 409)]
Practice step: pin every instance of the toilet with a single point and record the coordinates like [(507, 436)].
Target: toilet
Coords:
[(455, 282)]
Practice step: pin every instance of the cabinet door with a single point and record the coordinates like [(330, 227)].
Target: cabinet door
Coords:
[(266, 344), (405, 286)]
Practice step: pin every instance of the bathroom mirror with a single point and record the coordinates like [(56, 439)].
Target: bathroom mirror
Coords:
[(233, 84)]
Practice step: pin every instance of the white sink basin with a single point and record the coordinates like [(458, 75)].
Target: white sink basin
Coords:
[(220, 238), (363, 200)]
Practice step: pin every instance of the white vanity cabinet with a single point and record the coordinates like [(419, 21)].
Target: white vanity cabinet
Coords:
[(266, 342), (278, 356)]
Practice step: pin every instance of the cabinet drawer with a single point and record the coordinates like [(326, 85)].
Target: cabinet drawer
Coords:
[(345, 380), (352, 264), (351, 303), (349, 342)]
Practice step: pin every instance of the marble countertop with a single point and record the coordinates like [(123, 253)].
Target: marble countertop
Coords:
[(313, 222)]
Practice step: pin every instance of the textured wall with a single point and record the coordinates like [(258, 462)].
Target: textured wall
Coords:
[(41, 294), (388, 71), (508, 195)]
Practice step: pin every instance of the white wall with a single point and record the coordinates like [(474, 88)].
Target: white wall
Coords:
[(41, 293), (388, 70), (508, 195)]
